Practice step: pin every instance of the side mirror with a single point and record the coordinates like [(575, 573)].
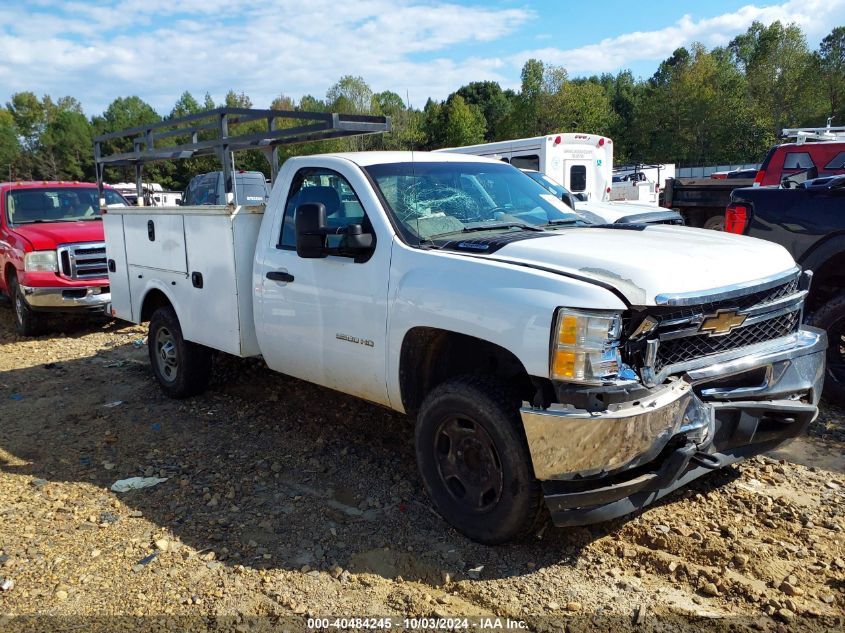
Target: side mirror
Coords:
[(581, 196), (569, 200), (356, 240), (310, 230), (812, 172)]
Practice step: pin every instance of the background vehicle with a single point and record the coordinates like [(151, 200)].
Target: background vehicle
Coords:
[(542, 362), (702, 200), (154, 195), (250, 188), (52, 252), (607, 211), (822, 148), (809, 221), (583, 163)]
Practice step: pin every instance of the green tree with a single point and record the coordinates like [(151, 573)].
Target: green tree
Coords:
[(464, 124), (776, 63), (831, 62), (350, 94), (65, 147), (491, 99), (10, 147)]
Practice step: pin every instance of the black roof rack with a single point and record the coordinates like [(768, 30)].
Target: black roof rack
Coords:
[(216, 123)]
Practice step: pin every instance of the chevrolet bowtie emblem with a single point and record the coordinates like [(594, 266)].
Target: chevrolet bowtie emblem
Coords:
[(722, 322)]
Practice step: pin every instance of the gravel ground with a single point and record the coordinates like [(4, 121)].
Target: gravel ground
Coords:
[(285, 501)]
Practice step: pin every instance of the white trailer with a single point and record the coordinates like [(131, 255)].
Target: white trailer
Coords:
[(154, 194), (583, 163)]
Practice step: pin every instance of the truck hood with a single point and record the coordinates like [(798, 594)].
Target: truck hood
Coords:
[(47, 236), (612, 211), (660, 259)]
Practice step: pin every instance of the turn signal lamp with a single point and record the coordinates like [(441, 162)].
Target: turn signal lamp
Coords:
[(586, 346)]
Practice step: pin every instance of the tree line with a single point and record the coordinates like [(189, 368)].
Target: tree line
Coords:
[(723, 105)]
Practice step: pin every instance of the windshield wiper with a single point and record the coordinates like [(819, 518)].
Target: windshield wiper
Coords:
[(489, 226), (565, 222)]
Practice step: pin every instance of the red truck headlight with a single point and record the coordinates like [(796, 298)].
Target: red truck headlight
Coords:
[(736, 217), (41, 262)]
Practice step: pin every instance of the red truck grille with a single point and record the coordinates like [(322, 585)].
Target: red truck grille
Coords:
[(83, 261)]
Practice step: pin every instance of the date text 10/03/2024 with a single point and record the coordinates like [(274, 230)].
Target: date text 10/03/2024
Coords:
[(410, 624)]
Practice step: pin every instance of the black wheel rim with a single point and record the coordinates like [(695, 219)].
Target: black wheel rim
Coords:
[(468, 463), (836, 351)]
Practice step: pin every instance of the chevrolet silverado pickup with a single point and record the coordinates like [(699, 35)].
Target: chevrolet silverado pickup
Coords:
[(550, 364), (52, 253)]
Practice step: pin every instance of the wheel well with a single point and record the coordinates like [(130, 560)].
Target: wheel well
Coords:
[(8, 272), (431, 356), (828, 280), (154, 300)]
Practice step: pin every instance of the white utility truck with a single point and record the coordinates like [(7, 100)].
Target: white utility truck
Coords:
[(548, 363)]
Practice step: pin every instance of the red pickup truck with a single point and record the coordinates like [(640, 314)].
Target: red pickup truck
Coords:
[(52, 250)]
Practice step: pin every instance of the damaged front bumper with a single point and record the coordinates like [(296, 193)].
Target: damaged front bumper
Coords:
[(598, 466)]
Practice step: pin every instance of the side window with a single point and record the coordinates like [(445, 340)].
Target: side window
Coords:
[(332, 190), (797, 160), (530, 161), (838, 162), (189, 192), (577, 178)]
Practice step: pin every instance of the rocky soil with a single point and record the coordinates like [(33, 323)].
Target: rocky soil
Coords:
[(285, 501)]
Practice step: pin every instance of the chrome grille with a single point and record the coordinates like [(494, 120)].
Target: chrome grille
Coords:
[(682, 350), (83, 261), (678, 344), (740, 303)]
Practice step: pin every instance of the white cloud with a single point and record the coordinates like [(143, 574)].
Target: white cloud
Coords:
[(97, 51), (158, 48), (816, 18)]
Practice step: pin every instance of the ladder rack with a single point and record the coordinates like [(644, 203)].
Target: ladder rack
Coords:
[(802, 134), (210, 134)]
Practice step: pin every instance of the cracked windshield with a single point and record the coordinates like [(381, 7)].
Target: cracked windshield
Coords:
[(440, 200)]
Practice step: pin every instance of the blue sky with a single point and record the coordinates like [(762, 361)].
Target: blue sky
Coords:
[(99, 50)]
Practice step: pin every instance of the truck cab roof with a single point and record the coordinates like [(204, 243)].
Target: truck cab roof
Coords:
[(365, 159)]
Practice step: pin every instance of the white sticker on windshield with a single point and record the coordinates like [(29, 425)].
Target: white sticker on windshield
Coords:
[(556, 202)]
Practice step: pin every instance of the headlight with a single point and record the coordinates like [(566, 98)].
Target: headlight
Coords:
[(41, 262), (585, 346)]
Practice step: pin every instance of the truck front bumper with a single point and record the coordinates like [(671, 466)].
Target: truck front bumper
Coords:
[(67, 299), (598, 466)]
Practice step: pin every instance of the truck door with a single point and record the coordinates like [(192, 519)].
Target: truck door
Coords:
[(324, 320)]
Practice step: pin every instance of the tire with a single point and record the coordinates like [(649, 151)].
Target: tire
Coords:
[(27, 321), (831, 318), (181, 368), (474, 461), (714, 223)]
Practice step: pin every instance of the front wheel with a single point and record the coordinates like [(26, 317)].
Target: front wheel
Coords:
[(182, 368), (27, 321), (474, 460), (831, 318)]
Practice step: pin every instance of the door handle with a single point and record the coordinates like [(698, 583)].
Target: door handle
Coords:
[(278, 275)]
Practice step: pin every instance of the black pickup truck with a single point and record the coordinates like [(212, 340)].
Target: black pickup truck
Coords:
[(809, 221)]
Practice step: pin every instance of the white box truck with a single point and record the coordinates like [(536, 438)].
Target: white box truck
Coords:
[(583, 163)]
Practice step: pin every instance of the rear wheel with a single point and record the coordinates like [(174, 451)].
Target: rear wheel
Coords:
[(831, 318), (715, 223), (27, 321), (475, 463), (182, 368)]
